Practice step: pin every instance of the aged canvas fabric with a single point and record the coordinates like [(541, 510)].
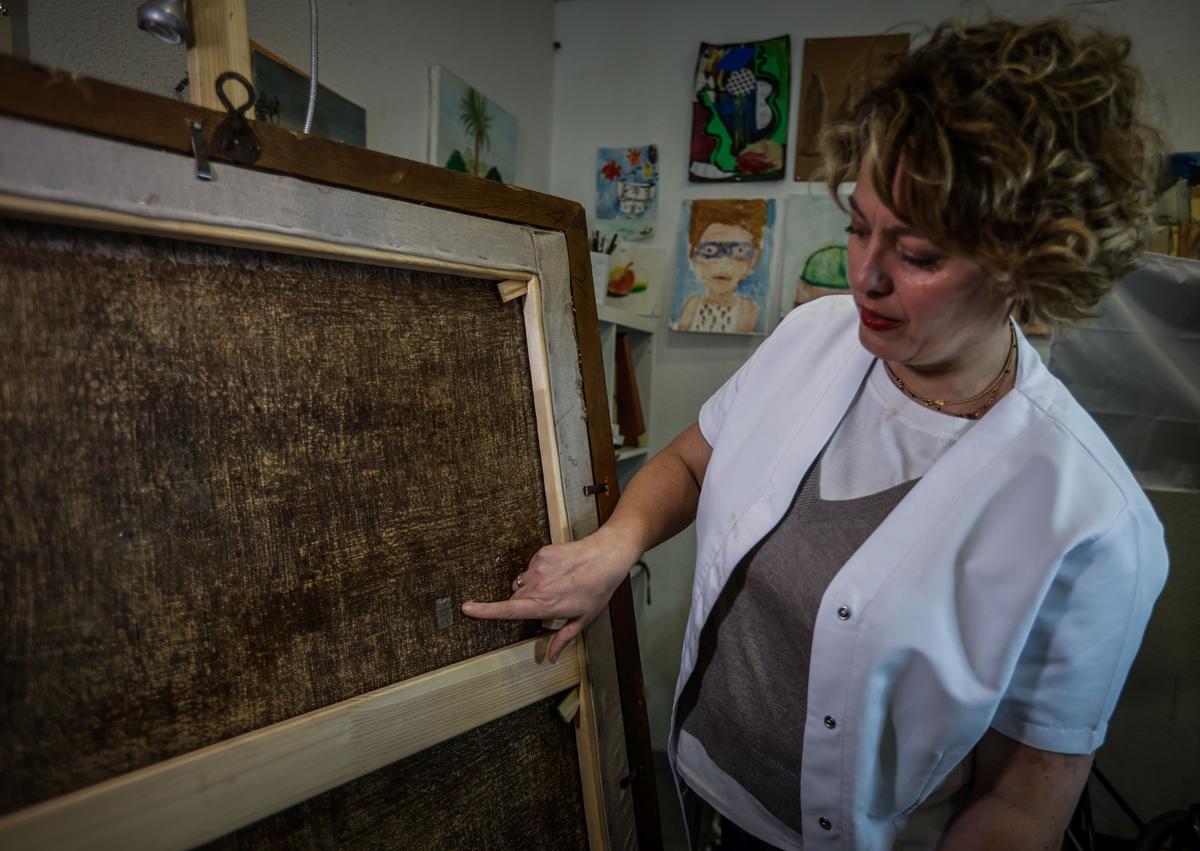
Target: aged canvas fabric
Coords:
[(233, 487)]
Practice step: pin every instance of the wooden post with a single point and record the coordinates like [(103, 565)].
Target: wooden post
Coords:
[(220, 43), (6, 35)]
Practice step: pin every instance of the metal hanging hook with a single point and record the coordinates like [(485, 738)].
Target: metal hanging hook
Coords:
[(234, 136)]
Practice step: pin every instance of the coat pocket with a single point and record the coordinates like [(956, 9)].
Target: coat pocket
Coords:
[(902, 785), (952, 770)]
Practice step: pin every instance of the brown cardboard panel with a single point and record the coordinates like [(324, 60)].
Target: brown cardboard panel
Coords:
[(833, 70)]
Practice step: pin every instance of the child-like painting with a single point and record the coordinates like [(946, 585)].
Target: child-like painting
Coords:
[(627, 191), (636, 279), (814, 248), (722, 276), (740, 111)]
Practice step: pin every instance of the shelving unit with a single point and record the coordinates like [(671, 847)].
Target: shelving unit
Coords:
[(629, 453), (640, 330), (629, 321)]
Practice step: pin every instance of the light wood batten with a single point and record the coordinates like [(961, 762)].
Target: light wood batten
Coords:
[(199, 796), (220, 43)]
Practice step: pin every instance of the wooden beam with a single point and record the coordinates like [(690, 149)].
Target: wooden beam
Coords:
[(562, 309), (590, 765), (220, 43), (539, 377), (199, 796), (586, 738), (58, 97)]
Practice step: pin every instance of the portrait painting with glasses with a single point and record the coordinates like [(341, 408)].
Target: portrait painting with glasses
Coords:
[(722, 277)]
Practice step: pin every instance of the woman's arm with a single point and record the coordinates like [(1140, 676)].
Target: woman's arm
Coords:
[(575, 580), (1021, 797)]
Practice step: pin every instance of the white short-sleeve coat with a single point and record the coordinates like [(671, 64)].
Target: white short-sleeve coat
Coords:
[(1009, 589)]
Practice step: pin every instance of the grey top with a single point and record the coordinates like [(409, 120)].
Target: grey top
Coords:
[(746, 701)]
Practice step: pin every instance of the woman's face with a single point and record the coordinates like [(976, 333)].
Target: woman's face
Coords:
[(723, 257), (917, 305)]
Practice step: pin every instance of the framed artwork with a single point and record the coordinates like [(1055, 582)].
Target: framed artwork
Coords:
[(814, 248), (636, 279), (834, 69), (281, 97), (468, 131), (723, 263), (740, 111), (627, 191), (257, 481)]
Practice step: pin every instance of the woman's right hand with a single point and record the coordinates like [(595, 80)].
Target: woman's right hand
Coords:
[(573, 580), (576, 580)]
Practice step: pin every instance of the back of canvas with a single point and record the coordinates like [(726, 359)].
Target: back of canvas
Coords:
[(236, 487)]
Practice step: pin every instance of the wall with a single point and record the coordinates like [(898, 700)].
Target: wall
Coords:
[(623, 77), (377, 53)]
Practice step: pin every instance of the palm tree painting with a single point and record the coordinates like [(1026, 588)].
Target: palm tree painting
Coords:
[(476, 122), (469, 132)]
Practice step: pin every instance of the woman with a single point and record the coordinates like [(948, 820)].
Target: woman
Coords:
[(725, 238), (922, 571)]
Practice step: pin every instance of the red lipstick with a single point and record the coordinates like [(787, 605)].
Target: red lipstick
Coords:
[(876, 322)]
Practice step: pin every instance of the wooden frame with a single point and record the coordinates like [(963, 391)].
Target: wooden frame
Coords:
[(612, 705)]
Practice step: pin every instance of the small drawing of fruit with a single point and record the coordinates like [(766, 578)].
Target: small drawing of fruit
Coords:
[(621, 280)]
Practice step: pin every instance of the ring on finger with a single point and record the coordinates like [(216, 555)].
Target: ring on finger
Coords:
[(521, 579)]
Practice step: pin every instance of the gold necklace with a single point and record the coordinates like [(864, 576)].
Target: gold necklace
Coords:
[(992, 388)]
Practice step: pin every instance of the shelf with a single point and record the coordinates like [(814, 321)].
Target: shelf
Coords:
[(624, 453), (634, 321)]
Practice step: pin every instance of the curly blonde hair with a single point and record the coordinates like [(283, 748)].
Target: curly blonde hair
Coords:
[(1020, 146)]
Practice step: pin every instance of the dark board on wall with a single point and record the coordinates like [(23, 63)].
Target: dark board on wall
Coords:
[(281, 97), (235, 484)]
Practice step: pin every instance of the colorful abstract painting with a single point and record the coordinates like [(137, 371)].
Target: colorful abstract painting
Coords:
[(814, 249), (740, 111), (468, 132), (627, 191), (835, 69), (723, 266), (636, 279)]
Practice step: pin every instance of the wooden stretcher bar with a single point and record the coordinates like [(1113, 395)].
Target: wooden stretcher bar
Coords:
[(75, 214), (199, 796), (560, 531)]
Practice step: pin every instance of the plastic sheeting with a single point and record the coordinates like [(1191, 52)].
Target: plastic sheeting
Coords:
[(1136, 369)]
